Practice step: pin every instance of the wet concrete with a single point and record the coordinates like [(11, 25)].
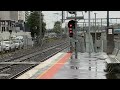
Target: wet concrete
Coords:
[(85, 68)]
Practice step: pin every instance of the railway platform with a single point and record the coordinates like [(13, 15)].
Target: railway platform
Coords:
[(64, 66)]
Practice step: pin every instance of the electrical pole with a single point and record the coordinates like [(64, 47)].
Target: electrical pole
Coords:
[(101, 26), (107, 19), (0, 25), (101, 38), (40, 34), (63, 16), (110, 37), (95, 34), (89, 33)]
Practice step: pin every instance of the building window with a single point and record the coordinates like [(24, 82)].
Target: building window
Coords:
[(3, 23), (7, 29), (2, 29), (6, 23)]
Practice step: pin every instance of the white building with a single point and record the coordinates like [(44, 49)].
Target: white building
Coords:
[(21, 15), (9, 18), (12, 15), (8, 21), (5, 15)]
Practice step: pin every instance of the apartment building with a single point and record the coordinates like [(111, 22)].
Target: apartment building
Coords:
[(11, 20)]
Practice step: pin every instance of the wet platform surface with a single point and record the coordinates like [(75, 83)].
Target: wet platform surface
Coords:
[(83, 67)]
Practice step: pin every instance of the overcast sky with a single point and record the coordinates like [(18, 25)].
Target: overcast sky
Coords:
[(50, 16)]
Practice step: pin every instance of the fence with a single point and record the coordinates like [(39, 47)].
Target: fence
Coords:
[(117, 44)]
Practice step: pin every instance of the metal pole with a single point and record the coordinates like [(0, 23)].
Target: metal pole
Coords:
[(62, 16), (89, 33), (101, 24), (1, 41), (71, 47), (107, 19), (25, 37), (40, 36), (101, 37), (84, 36), (107, 26), (95, 33), (75, 36)]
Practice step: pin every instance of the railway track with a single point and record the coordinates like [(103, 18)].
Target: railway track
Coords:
[(24, 52), (13, 68)]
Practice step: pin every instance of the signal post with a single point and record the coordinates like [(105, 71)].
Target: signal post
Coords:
[(72, 24)]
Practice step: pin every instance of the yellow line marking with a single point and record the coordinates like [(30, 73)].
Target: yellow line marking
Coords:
[(50, 67)]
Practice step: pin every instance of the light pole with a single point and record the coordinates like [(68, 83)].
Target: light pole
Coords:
[(25, 35), (95, 33), (89, 33)]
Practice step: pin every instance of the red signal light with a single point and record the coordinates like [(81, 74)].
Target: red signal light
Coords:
[(70, 25), (70, 31)]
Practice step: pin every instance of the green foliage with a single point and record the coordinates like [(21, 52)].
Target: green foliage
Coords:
[(43, 29), (57, 27), (33, 22)]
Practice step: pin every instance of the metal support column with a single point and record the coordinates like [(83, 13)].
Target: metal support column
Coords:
[(102, 38), (40, 35), (85, 35), (75, 36), (89, 34), (95, 34), (110, 36), (107, 19)]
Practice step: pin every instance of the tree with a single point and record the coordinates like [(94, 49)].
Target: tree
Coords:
[(33, 23), (57, 27)]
